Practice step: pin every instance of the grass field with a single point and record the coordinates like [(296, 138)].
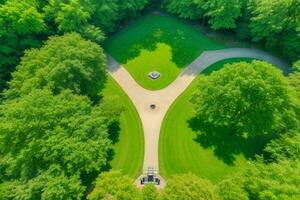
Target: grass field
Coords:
[(157, 42), (182, 149), (129, 143)]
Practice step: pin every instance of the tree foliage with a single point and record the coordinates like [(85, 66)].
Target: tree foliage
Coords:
[(296, 66), (273, 181), (185, 9), (288, 145), (25, 24), (106, 14), (47, 142), (285, 147), (52, 184), (188, 186), (149, 192), (248, 98), (131, 7), (20, 23), (277, 23), (262, 181), (67, 62), (222, 14), (71, 16), (230, 189), (113, 185)]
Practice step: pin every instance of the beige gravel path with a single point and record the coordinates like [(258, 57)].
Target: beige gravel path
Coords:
[(142, 98)]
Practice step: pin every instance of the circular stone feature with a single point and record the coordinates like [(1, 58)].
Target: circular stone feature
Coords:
[(154, 75), (152, 106)]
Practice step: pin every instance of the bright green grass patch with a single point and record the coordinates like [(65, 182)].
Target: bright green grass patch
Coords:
[(182, 149), (129, 139), (164, 40), (159, 60)]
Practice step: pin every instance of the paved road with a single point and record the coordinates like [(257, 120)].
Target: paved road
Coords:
[(142, 98)]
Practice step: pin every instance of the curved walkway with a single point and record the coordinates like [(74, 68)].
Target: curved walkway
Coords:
[(142, 98)]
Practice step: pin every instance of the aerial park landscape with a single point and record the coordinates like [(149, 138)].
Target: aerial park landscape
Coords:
[(150, 99)]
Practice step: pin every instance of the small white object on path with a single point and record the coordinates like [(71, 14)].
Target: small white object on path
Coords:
[(162, 99)]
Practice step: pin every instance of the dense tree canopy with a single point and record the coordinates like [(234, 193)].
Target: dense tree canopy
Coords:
[(25, 24), (131, 7), (296, 66), (52, 184), (149, 192), (287, 146), (248, 98), (67, 62), (230, 189), (277, 23), (261, 181), (43, 135), (106, 14), (222, 14), (20, 23), (186, 9), (113, 185), (71, 16), (189, 186)]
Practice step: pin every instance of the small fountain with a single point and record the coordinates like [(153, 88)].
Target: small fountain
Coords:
[(154, 75)]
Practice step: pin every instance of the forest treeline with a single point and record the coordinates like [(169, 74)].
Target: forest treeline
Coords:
[(26, 24)]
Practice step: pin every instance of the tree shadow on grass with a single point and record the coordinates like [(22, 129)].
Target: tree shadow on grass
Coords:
[(175, 35), (225, 143)]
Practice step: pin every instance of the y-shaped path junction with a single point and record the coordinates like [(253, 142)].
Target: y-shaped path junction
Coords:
[(142, 98)]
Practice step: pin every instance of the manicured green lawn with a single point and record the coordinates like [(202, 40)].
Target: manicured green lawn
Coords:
[(129, 147), (157, 42), (182, 149)]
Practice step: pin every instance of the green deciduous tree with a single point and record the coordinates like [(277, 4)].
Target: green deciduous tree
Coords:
[(185, 8), (286, 147), (149, 192), (222, 14), (296, 66), (113, 185), (74, 16), (273, 181), (106, 14), (230, 189), (131, 7), (51, 184), (188, 186), (248, 98), (20, 23), (66, 62), (71, 16), (294, 80), (277, 23), (262, 181), (20, 17), (47, 142)]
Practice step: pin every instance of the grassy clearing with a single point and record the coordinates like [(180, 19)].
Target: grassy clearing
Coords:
[(182, 149), (157, 42), (129, 139)]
